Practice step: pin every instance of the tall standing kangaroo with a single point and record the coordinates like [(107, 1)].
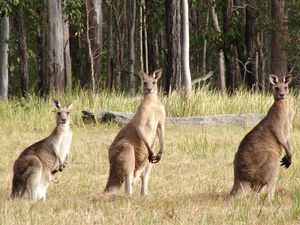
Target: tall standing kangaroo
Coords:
[(256, 161), (36, 165), (130, 154)]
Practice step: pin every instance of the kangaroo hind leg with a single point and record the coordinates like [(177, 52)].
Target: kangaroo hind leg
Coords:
[(240, 189), (34, 179), (145, 179)]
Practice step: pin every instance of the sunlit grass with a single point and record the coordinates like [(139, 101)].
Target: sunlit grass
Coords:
[(188, 186)]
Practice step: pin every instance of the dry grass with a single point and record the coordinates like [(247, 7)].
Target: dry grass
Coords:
[(187, 186)]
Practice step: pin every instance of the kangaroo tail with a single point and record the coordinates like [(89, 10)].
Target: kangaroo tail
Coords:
[(19, 184), (114, 182)]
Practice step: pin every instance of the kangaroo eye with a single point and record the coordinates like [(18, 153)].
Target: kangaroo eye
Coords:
[(59, 113), (68, 113), (154, 82), (145, 83)]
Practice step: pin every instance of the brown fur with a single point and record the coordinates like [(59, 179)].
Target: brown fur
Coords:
[(256, 161), (130, 154), (35, 167)]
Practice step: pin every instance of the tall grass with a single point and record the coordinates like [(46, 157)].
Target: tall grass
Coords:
[(187, 186)]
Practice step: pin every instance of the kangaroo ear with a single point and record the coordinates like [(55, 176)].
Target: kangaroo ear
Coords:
[(56, 104), (70, 105), (157, 74), (143, 75), (273, 79), (288, 78)]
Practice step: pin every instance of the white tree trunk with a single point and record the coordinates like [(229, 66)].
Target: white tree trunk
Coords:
[(187, 81), (4, 37), (55, 46), (221, 53)]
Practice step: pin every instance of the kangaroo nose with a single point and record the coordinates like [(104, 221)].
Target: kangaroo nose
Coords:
[(281, 95), (63, 120), (148, 89)]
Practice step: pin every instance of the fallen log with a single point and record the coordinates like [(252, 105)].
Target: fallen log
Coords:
[(124, 117)]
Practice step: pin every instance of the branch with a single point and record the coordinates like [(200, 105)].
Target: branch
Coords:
[(203, 78)]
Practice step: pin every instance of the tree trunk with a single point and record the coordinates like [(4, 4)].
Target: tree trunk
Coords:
[(145, 36), (152, 40), (172, 21), (43, 81), (67, 56), (4, 38), (118, 11), (141, 40), (279, 38), (229, 49), (94, 35), (131, 13), (55, 46), (110, 57), (22, 52), (205, 44), (251, 48), (187, 80), (221, 53)]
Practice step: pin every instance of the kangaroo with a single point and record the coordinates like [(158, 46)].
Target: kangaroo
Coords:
[(130, 154), (35, 167), (256, 161)]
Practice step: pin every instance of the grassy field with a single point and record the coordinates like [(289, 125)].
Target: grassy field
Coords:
[(187, 186)]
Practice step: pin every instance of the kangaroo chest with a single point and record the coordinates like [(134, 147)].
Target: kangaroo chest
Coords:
[(65, 145)]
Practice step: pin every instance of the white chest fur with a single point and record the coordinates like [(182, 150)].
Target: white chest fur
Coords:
[(65, 145), (61, 145)]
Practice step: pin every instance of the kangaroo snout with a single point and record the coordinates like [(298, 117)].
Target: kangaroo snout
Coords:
[(63, 120), (148, 90), (282, 95)]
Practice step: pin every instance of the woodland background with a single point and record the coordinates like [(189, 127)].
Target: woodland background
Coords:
[(63, 45)]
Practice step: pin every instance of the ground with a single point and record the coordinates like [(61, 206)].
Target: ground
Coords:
[(187, 186)]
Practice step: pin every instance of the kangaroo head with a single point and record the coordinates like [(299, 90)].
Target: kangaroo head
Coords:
[(150, 81), (280, 87), (62, 113)]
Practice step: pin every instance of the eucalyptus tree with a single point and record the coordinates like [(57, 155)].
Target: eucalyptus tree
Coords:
[(4, 38)]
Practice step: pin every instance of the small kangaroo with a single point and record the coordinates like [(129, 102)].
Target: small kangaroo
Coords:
[(34, 169), (130, 154), (256, 161)]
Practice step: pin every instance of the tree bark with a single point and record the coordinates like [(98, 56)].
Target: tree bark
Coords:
[(110, 57), (4, 38), (67, 56), (279, 38), (131, 14), (43, 79), (23, 52), (205, 44), (187, 80), (230, 49), (94, 35), (152, 38), (55, 46), (174, 78), (221, 53), (251, 48)]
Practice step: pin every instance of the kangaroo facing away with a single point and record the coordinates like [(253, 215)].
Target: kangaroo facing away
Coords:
[(130, 154), (256, 161), (35, 167)]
